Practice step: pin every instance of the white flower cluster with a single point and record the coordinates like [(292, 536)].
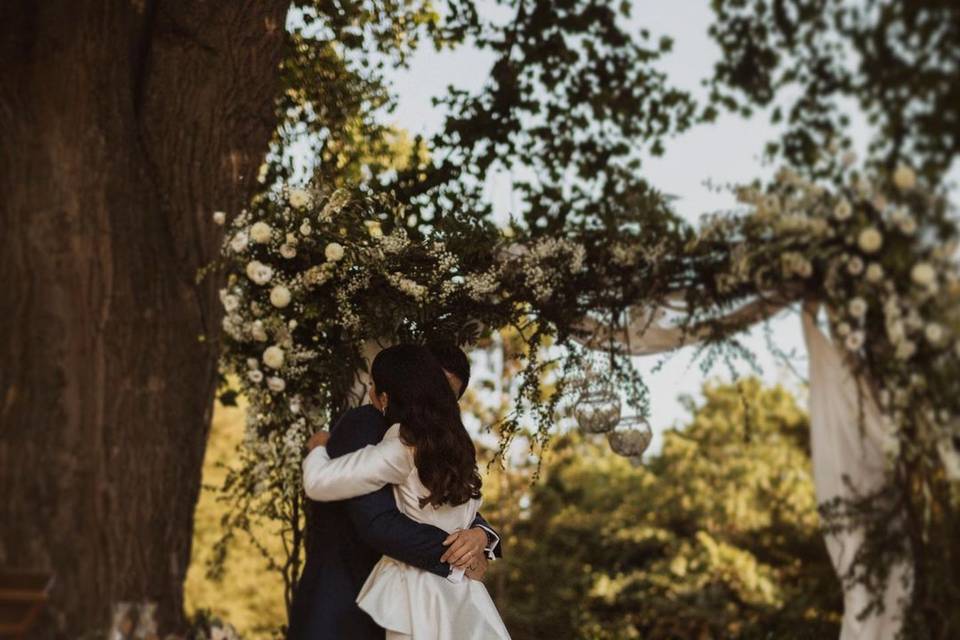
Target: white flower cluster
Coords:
[(396, 242), (482, 285), (794, 264), (546, 263), (624, 255), (408, 286)]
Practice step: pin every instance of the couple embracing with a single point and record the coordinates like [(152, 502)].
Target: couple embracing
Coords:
[(397, 548)]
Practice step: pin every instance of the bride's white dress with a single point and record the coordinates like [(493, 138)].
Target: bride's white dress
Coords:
[(406, 601)]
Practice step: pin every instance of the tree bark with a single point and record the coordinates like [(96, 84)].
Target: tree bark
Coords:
[(123, 126)]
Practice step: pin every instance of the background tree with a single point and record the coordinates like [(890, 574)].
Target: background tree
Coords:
[(715, 537), (896, 61), (123, 127)]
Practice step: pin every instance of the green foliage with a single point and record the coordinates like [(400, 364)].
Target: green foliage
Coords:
[(715, 537), (246, 592), (896, 61)]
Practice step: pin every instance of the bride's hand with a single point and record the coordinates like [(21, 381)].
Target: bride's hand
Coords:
[(319, 439), (464, 545), (477, 568)]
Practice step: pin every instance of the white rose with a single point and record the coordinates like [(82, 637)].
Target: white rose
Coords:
[(857, 307), (259, 272), (219, 217), (333, 252), (260, 232), (891, 447), (904, 177), (253, 363), (870, 240), (280, 296), (855, 341), (874, 273), (855, 266), (276, 384), (273, 357), (258, 332), (908, 225), (255, 375), (906, 349), (231, 327), (305, 228), (934, 333), (843, 329), (843, 210), (239, 241), (896, 332), (230, 303), (923, 274), (374, 229), (298, 198), (288, 251)]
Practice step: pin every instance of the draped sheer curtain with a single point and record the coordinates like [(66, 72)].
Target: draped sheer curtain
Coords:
[(848, 437)]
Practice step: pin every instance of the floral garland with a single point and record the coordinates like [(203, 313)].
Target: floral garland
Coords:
[(880, 255)]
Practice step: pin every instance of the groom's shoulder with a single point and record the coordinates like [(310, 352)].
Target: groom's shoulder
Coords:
[(357, 428)]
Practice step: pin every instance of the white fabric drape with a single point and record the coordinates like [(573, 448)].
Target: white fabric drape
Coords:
[(848, 460), (842, 445)]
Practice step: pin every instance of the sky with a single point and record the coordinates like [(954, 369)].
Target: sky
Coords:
[(724, 152)]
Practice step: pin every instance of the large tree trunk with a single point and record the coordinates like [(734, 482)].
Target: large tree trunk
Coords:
[(123, 126)]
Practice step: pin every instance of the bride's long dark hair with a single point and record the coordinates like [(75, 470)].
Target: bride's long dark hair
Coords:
[(419, 397)]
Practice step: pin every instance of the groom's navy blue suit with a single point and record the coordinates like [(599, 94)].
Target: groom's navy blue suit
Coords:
[(346, 539)]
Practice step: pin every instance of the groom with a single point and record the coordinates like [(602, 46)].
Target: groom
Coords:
[(346, 538)]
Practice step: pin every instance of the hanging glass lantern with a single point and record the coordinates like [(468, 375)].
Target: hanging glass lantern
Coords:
[(631, 437), (598, 410)]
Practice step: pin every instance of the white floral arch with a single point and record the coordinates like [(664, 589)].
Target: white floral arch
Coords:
[(317, 282)]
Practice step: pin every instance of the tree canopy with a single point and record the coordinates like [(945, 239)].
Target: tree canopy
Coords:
[(715, 536), (894, 61)]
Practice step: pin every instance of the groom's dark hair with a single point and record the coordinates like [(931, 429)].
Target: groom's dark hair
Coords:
[(452, 359)]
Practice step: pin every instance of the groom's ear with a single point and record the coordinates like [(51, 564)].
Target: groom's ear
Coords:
[(456, 384)]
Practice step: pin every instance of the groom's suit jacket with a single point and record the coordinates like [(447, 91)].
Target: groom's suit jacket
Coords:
[(346, 539)]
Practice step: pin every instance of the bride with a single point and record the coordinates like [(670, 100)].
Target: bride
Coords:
[(431, 462)]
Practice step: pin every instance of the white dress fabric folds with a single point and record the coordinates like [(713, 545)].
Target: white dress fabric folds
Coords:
[(406, 601)]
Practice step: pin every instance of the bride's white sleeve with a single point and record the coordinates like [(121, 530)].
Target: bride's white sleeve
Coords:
[(363, 471)]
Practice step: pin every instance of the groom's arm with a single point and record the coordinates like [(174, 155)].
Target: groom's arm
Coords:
[(375, 516), (494, 547)]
